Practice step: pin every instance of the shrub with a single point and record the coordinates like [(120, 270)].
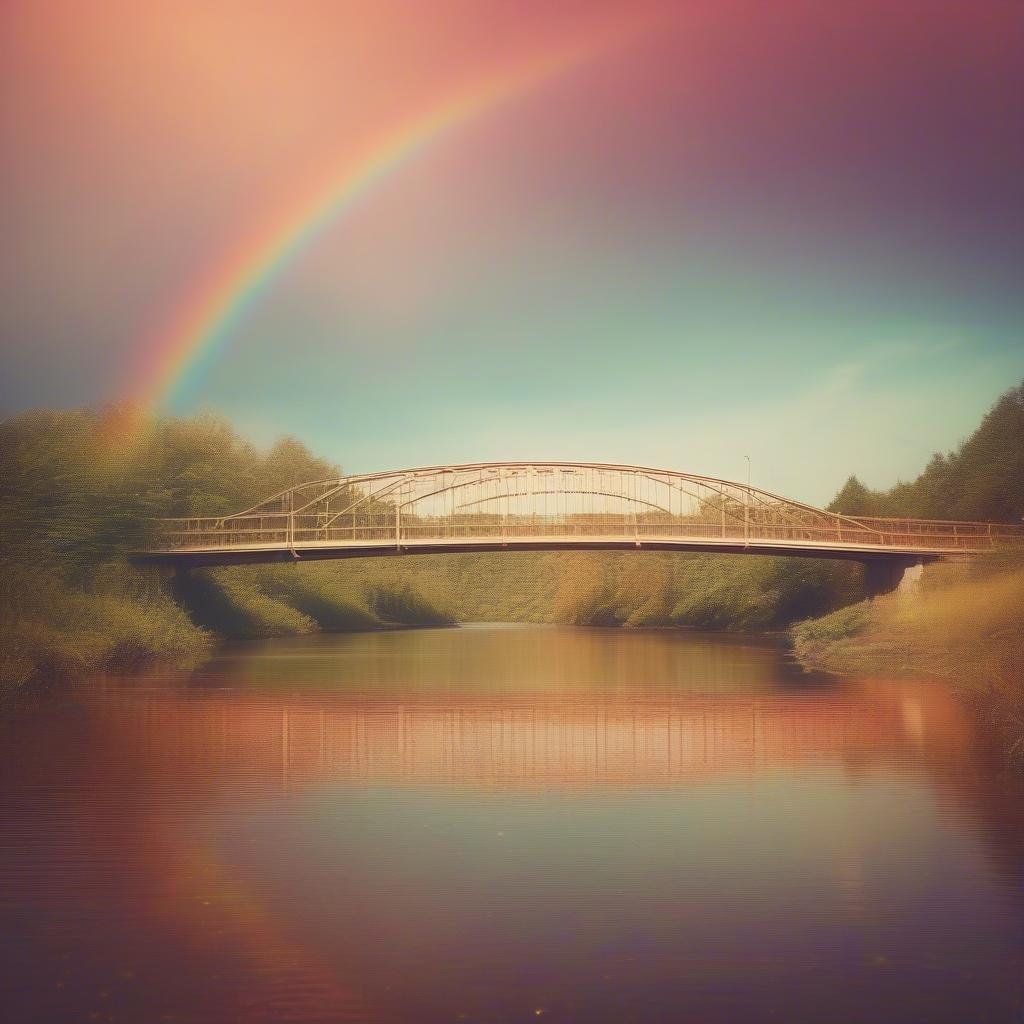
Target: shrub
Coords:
[(231, 603)]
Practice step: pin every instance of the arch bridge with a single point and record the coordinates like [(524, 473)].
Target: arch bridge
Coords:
[(550, 505)]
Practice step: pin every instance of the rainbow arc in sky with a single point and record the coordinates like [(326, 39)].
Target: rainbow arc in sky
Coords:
[(205, 318)]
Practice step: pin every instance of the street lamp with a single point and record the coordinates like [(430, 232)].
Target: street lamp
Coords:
[(746, 507)]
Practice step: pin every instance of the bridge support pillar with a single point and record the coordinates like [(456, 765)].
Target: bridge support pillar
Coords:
[(885, 576)]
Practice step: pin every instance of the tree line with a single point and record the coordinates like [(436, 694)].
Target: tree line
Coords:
[(982, 479)]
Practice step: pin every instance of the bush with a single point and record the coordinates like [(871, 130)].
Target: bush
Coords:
[(402, 603), (320, 598), (231, 603), (840, 625), (52, 630)]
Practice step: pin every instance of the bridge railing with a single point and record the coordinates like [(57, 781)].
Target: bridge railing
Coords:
[(287, 530)]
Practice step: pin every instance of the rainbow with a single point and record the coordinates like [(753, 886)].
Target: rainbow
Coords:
[(207, 314)]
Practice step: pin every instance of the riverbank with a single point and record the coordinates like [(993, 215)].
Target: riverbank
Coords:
[(57, 629), (964, 625)]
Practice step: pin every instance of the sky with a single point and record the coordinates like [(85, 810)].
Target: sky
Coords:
[(789, 231)]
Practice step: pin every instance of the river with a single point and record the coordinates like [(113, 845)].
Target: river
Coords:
[(500, 824)]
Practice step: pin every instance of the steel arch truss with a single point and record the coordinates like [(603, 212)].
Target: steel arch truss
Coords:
[(551, 504)]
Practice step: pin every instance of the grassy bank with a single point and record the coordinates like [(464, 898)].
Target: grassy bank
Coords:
[(56, 628), (965, 625), (614, 588)]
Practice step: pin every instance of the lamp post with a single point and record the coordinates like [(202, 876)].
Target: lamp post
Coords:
[(746, 508)]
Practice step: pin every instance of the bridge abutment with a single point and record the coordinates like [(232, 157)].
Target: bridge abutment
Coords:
[(892, 574)]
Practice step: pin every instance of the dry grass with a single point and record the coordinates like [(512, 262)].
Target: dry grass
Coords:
[(965, 626)]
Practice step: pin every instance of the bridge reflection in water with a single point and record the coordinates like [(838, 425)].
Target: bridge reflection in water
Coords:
[(537, 743), (529, 707), (423, 825)]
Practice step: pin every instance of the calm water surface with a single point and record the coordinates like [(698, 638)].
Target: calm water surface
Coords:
[(506, 824)]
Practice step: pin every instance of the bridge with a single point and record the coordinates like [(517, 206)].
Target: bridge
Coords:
[(553, 505)]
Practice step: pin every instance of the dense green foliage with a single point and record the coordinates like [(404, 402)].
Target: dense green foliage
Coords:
[(52, 629), (982, 479), (75, 498)]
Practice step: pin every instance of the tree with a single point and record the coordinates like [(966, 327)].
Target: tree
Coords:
[(854, 499)]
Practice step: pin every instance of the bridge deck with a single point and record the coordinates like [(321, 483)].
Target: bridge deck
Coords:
[(248, 554)]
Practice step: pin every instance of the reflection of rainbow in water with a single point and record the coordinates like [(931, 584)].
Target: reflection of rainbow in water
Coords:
[(219, 912)]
